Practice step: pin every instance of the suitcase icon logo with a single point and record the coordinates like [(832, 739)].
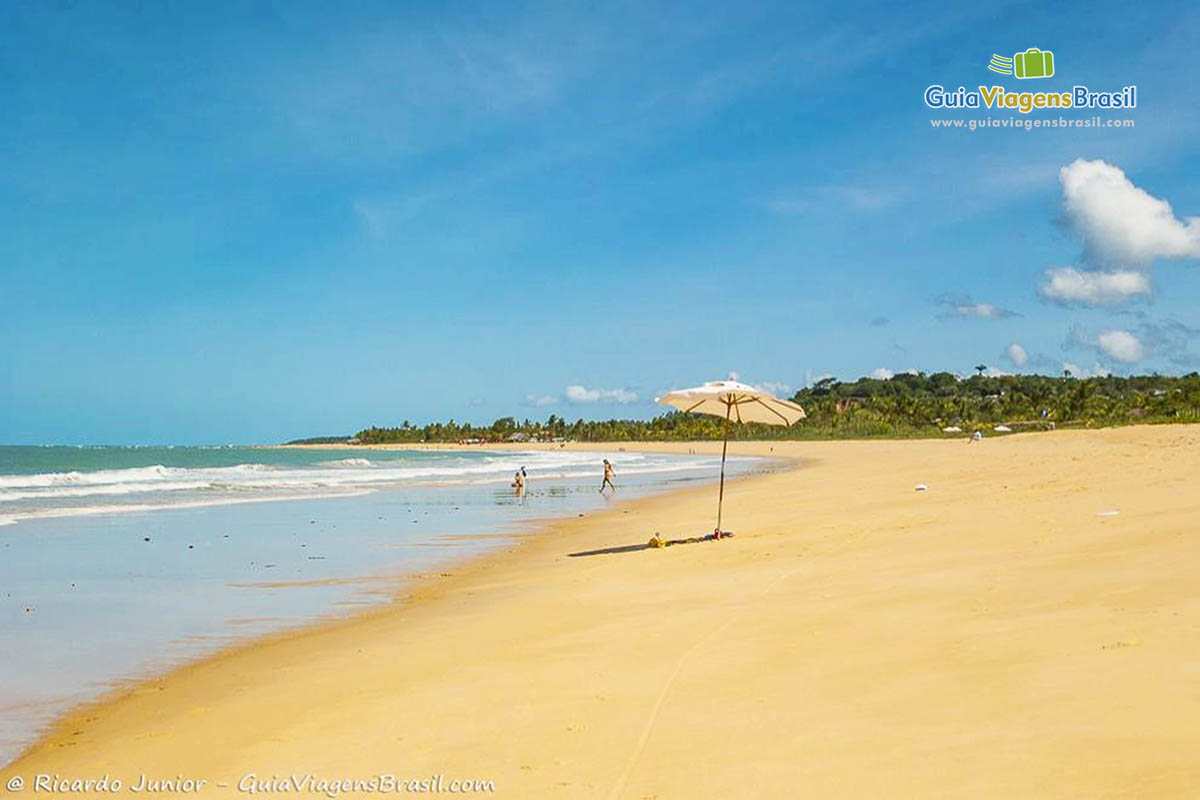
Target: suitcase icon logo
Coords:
[(1033, 63)]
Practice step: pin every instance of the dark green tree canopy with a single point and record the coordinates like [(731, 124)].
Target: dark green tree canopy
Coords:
[(906, 405)]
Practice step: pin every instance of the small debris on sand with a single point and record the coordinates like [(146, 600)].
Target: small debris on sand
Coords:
[(1120, 644)]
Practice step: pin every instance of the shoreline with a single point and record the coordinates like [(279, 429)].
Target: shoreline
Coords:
[(390, 588), (982, 638)]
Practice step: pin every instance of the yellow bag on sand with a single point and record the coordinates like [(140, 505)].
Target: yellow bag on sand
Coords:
[(656, 540)]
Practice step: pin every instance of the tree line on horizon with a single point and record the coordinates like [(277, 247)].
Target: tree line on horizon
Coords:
[(908, 405)]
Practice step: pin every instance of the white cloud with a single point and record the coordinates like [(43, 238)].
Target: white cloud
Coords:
[(966, 308), (1068, 285), (982, 310), (1120, 222), (1117, 344), (1168, 339), (540, 400), (883, 374), (1121, 345), (775, 387), (1017, 355), (1124, 230), (821, 199), (1096, 370), (581, 395)]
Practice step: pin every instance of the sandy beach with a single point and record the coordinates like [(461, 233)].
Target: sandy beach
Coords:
[(1025, 627)]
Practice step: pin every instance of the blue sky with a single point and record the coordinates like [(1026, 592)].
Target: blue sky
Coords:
[(248, 222)]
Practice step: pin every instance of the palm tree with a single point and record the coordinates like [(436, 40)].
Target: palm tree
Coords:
[(980, 368)]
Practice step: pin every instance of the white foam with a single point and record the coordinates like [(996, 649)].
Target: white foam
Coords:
[(99, 476), (129, 475), (51, 492), (159, 486), (126, 508)]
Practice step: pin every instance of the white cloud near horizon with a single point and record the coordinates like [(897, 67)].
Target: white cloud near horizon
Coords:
[(776, 388), (578, 395), (581, 395), (1122, 224), (882, 374), (1068, 286), (1017, 355), (1115, 343), (540, 400), (811, 379), (1121, 345), (1096, 370)]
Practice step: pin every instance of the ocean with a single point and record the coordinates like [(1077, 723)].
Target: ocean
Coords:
[(117, 563)]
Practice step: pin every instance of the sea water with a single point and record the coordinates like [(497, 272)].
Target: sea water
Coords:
[(119, 562)]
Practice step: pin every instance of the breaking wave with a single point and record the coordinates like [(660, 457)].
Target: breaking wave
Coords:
[(144, 488)]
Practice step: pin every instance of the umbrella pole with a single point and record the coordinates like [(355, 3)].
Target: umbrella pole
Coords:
[(724, 447)]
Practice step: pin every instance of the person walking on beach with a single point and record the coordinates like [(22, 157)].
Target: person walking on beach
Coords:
[(608, 477)]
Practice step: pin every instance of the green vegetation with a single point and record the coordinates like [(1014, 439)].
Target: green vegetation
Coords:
[(903, 406), (922, 405), (321, 440)]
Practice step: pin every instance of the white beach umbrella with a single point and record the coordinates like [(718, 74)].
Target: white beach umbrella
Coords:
[(736, 402)]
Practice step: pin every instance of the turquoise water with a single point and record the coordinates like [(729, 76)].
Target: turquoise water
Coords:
[(45, 482), (117, 563)]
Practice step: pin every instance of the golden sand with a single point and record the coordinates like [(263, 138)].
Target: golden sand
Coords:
[(1002, 634)]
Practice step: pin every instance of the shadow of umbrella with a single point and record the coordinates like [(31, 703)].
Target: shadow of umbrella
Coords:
[(606, 551), (633, 548)]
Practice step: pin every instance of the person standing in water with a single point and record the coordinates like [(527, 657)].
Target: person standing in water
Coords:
[(608, 477), (519, 482)]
